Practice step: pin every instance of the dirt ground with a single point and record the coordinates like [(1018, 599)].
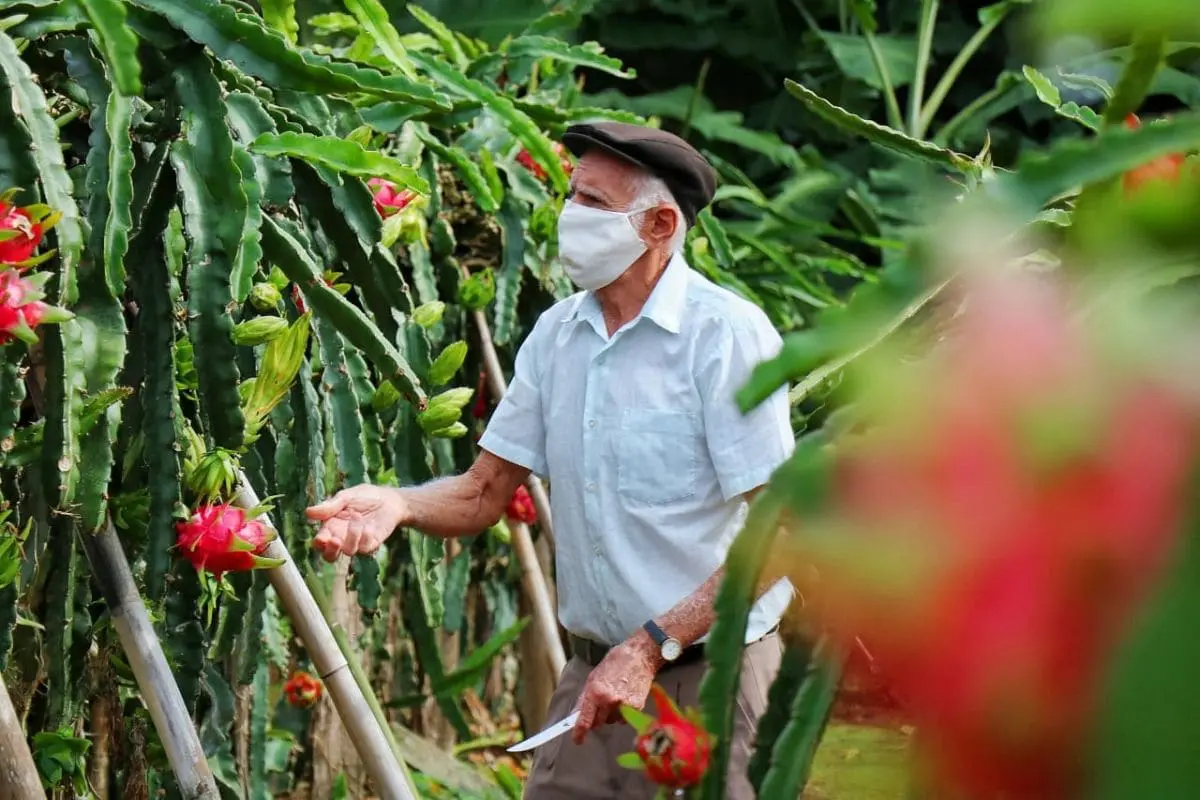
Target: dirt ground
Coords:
[(864, 754)]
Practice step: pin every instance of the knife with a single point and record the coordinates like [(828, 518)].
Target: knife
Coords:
[(552, 732)]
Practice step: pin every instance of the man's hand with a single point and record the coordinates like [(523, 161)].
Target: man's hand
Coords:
[(357, 520), (624, 677)]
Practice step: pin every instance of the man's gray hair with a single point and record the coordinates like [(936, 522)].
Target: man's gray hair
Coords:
[(650, 192)]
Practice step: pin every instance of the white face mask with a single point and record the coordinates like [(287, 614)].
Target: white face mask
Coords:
[(596, 246)]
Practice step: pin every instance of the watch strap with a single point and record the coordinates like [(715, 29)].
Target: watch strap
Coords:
[(656, 633)]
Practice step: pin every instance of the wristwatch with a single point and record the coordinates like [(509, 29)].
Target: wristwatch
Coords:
[(670, 647)]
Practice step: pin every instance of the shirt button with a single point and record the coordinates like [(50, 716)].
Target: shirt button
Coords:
[(596, 549), (591, 423), (591, 487)]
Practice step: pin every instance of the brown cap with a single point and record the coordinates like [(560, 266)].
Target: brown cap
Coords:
[(688, 175)]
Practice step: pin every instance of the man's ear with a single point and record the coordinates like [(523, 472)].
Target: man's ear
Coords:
[(661, 224)]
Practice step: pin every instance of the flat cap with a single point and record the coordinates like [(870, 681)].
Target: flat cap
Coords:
[(688, 175)]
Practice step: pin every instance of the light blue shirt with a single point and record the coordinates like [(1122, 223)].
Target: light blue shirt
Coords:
[(646, 452)]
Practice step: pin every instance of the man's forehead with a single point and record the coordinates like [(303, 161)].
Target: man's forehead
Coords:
[(603, 172)]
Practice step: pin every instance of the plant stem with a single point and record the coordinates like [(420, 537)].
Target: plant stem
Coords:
[(929, 13), (938, 96), (895, 117)]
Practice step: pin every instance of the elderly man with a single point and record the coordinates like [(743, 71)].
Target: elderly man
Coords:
[(623, 397)]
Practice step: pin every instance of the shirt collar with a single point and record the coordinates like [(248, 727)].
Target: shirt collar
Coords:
[(664, 307)]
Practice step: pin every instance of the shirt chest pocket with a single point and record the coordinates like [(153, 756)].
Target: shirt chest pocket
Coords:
[(658, 455)]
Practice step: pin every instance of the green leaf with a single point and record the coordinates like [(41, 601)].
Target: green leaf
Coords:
[(726, 640), (1145, 60), (119, 223), (796, 747), (795, 667), (342, 155), (472, 669), (215, 208), (1048, 93), (1068, 164), (881, 135), (265, 54), (1043, 87), (373, 18), (519, 124), (282, 248), (853, 57), (26, 98), (630, 760), (281, 15), (118, 43), (589, 54), (1117, 18), (639, 720), (441, 34)]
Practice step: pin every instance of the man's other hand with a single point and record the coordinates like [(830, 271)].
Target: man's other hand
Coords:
[(357, 520), (624, 678)]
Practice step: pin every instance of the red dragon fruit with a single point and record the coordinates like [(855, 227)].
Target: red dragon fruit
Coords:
[(218, 539), (22, 308), (26, 234), (302, 690), (673, 750)]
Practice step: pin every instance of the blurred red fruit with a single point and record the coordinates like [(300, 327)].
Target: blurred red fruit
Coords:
[(1164, 168), (521, 508)]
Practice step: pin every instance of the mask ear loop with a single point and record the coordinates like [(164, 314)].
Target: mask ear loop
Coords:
[(629, 216)]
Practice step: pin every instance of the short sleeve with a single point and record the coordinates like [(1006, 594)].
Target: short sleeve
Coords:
[(517, 429), (745, 448)]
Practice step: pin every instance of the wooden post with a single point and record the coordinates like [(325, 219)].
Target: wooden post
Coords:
[(160, 693), (19, 778), (532, 576), (368, 731), (498, 386), (535, 587)]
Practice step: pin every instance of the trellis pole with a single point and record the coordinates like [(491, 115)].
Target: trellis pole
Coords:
[(18, 774), (156, 683), (351, 693), (532, 576)]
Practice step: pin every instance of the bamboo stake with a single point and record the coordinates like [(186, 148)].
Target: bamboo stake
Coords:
[(157, 684), (535, 587), (370, 734), (498, 386), (19, 778), (531, 568)]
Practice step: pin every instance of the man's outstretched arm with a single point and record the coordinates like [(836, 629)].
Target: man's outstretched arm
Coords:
[(359, 519)]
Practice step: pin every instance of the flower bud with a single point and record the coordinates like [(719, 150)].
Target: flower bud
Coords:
[(455, 431), (429, 314), (259, 330), (447, 363), (265, 297)]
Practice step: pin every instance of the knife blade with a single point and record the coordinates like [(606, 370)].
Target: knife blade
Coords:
[(551, 732)]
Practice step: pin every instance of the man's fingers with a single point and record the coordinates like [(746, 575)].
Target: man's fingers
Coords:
[(331, 507), (354, 534), (587, 717)]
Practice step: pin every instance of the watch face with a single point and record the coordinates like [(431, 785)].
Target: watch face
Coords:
[(671, 649)]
